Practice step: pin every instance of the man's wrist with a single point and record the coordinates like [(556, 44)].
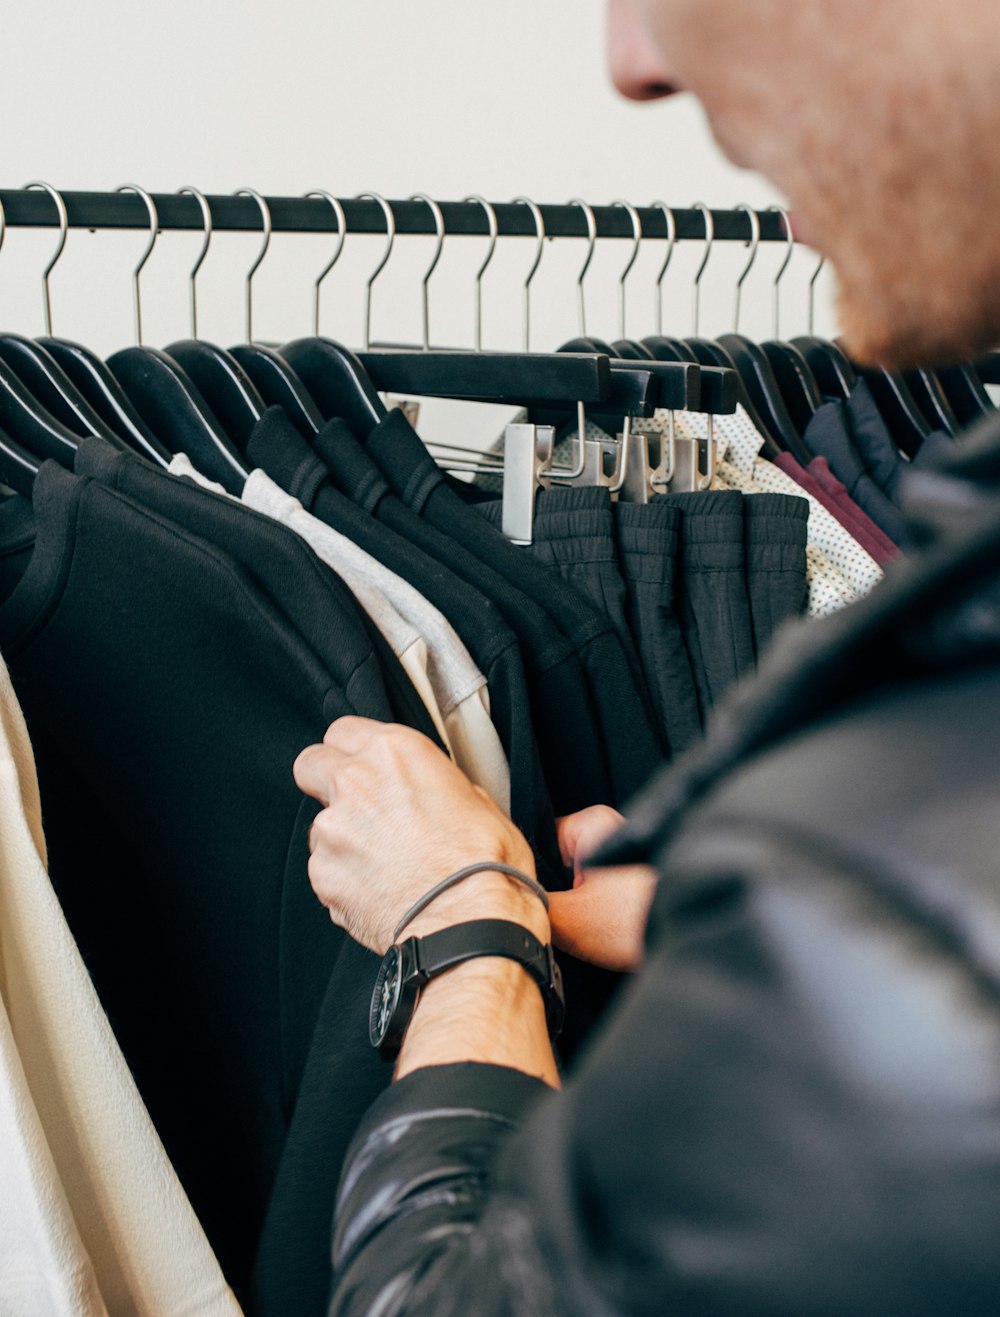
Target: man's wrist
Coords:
[(486, 895), (487, 1010)]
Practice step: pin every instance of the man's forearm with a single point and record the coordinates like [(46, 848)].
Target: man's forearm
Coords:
[(488, 1009)]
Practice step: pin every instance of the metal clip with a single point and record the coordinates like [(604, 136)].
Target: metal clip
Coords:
[(527, 457), (647, 465)]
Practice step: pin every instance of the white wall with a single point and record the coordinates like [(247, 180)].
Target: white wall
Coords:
[(442, 96)]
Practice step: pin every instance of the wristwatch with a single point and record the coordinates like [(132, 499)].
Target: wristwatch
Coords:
[(408, 965)]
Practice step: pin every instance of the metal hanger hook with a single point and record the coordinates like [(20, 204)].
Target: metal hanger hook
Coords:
[(494, 229), (265, 223), (754, 243), (435, 210), (390, 230), (709, 239), (338, 210), (790, 244), (591, 219), (812, 291), (63, 231), (540, 233), (633, 215), (671, 223), (206, 217), (154, 225)]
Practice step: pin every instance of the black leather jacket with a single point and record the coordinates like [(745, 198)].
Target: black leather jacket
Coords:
[(795, 1107)]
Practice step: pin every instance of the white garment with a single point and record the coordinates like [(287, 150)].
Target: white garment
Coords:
[(430, 651), (93, 1219)]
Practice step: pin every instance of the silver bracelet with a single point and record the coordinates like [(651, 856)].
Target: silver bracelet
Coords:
[(487, 866)]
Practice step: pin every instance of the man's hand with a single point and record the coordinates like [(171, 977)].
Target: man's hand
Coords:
[(399, 817), (603, 919)]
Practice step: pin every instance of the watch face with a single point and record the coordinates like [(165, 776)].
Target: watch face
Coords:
[(385, 996)]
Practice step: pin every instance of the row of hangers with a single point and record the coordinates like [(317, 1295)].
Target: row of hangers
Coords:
[(204, 400), (780, 384)]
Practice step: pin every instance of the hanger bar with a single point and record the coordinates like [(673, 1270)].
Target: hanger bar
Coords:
[(113, 210)]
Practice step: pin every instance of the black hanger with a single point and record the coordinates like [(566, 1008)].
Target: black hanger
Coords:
[(965, 392), (105, 395), (758, 377), (720, 385), (630, 349), (42, 375), (832, 371), (598, 344), (708, 352), (931, 399), (712, 356), (665, 348), (217, 376), (279, 385), (631, 392), (905, 421), (523, 378), (28, 423), (18, 468), (224, 385), (678, 383), (795, 380), (337, 382), (170, 404)]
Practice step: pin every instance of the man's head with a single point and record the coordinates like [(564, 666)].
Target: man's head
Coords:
[(879, 120)]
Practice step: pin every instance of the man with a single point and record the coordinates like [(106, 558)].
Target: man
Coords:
[(795, 1109)]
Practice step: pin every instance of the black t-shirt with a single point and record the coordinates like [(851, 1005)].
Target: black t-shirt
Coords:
[(304, 589), (277, 448), (624, 725), (166, 700), (563, 715)]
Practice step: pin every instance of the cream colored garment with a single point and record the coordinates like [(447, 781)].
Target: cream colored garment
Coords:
[(434, 658), (93, 1219)]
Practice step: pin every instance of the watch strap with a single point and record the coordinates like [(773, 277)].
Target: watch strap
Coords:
[(441, 951)]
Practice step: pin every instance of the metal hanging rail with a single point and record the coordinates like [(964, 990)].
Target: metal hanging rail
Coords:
[(114, 210)]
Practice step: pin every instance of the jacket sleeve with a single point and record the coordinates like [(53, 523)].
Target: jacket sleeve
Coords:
[(781, 1117)]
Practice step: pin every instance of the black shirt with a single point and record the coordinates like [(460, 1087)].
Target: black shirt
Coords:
[(303, 588), (573, 761), (167, 699), (277, 448), (624, 725)]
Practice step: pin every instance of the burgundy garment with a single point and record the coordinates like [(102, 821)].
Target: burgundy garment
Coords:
[(819, 468), (817, 479), (854, 520)]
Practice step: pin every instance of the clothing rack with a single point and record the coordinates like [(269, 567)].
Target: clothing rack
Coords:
[(24, 208)]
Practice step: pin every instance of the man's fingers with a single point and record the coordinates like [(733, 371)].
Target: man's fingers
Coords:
[(352, 734), (579, 834), (314, 772)]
